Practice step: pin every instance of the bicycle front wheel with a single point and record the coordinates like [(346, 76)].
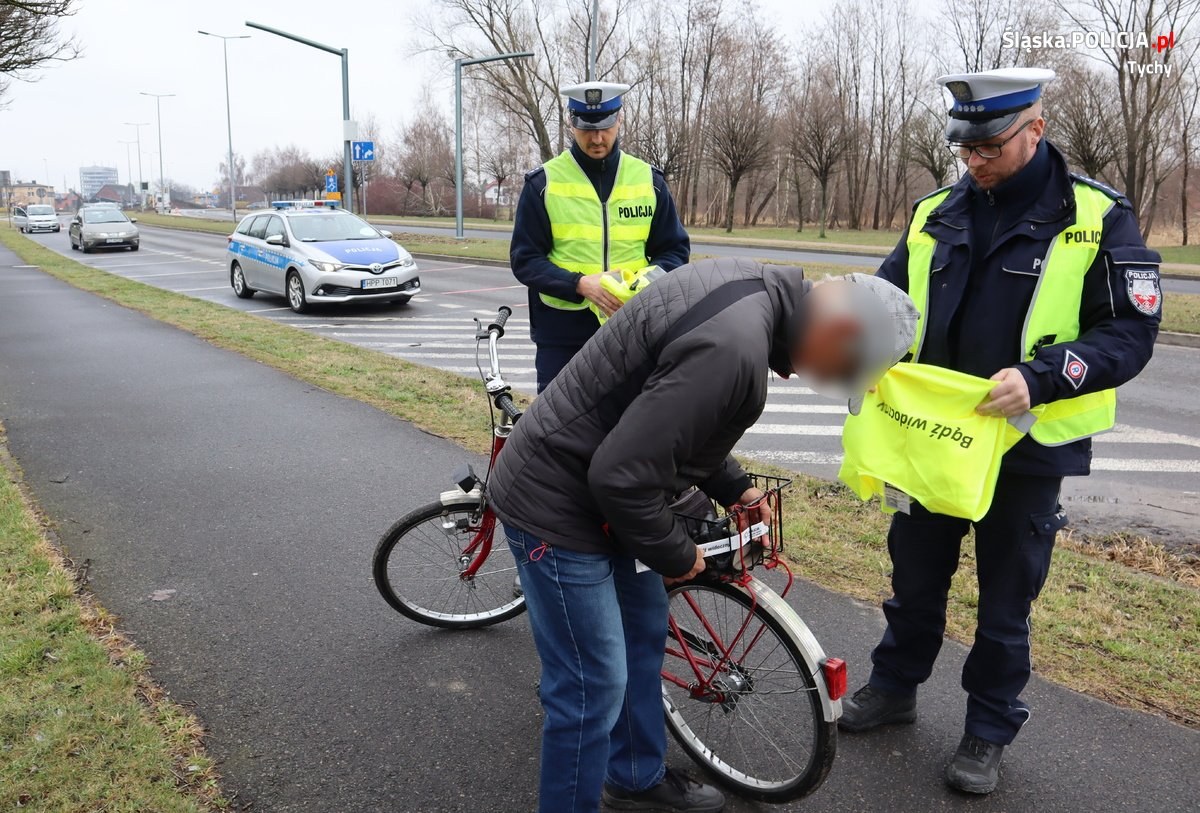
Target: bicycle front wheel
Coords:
[(441, 565), (739, 697)]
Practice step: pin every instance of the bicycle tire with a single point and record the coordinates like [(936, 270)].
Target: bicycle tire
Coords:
[(809, 741), (419, 561)]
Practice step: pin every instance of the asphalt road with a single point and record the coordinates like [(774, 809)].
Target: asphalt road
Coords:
[(252, 502), (1146, 474)]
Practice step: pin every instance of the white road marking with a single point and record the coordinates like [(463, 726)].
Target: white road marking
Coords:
[(1156, 464), (795, 429), (409, 355), (792, 458), (171, 274), (190, 290), (827, 409), (133, 265), (268, 310), (1124, 433), (450, 305)]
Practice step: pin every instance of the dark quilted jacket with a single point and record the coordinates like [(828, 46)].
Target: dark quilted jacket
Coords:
[(652, 404)]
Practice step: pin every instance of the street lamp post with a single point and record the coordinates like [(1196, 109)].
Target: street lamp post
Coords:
[(158, 97), (138, 125), (229, 115), (344, 53), (593, 40), (458, 127)]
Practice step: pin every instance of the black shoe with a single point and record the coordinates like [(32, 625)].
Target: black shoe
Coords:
[(976, 765), (871, 707), (676, 793)]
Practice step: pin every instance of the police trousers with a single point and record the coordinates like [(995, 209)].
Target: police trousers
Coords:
[(1013, 546)]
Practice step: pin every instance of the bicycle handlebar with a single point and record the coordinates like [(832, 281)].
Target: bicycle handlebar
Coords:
[(497, 324), (505, 402)]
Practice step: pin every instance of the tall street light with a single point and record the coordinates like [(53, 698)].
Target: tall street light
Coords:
[(158, 97), (228, 115), (593, 40), (344, 53), (138, 125), (458, 130)]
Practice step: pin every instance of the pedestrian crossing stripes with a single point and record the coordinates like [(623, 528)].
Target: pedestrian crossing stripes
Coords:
[(793, 416)]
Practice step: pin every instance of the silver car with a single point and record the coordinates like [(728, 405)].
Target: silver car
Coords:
[(314, 254), (103, 227), (36, 217)]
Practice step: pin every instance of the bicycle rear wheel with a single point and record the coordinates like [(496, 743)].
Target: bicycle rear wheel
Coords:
[(739, 697), (421, 568)]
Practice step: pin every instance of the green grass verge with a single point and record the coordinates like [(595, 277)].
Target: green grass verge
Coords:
[(1181, 313), (81, 726), (183, 222), (1100, 627)]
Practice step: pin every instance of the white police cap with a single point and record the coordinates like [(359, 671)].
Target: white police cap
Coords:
[(594, 105), (988, 102)]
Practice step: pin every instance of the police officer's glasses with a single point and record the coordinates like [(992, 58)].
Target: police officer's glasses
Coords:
[(986, 151)]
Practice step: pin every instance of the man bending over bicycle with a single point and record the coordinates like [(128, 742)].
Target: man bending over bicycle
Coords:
[(654, 404)]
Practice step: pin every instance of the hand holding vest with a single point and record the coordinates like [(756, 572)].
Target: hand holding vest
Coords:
[(918, 437)]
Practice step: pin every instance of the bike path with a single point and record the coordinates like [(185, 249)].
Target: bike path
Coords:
[(171, 465)]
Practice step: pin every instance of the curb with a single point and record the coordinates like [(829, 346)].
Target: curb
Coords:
[(1172, 339)]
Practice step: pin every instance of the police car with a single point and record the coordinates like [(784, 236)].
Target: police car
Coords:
[(313, 252)]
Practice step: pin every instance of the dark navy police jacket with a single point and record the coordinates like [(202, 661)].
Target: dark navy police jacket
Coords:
[(668, 247), (987, 262)]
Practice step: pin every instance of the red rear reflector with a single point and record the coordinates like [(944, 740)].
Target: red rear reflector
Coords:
[(835, 677)]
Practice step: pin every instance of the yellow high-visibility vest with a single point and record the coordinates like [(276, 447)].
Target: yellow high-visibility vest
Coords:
[(1053, 316), (591, 237), (918, 437)]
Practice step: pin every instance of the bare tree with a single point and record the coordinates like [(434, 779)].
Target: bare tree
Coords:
[(925, 144), (820, 137), (29, 38), (1144, 78), (1091, 141), (742, 118), (426, 153)]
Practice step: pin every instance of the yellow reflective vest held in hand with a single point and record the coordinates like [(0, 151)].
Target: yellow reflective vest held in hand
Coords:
[(919, 438), (624, 284)]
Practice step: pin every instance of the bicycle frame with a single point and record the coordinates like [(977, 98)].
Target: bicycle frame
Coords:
[(480, 546)]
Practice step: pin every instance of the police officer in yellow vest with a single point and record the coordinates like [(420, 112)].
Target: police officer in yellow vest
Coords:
[(1038, 279), (592, 210)]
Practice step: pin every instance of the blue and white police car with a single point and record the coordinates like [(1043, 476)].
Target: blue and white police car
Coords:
[(312, 252)]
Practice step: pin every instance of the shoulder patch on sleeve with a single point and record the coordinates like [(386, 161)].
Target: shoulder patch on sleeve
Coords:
[(533, 173), (1103, 187)]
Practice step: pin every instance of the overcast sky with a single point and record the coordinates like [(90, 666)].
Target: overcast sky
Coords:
[(282, 92)]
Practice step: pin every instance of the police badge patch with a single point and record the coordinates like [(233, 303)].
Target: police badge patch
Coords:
[(1074, 369), (1144, 293)]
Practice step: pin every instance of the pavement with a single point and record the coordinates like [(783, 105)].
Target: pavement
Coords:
[(1146, 474), (228, 514)]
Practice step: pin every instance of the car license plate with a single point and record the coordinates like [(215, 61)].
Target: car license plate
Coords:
[(115, 240), (381, 282)]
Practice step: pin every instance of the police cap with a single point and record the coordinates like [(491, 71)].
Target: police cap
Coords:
[(987, 103), (594, 105)]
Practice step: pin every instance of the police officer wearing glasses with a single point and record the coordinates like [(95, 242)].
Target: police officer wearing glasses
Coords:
[(1038, 279), (592, 210)]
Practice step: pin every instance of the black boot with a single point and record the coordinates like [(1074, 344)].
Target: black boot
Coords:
[(871, 707), (676, 793), (976, 765)]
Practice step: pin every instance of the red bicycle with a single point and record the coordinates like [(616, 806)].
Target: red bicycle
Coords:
[(747, 690)]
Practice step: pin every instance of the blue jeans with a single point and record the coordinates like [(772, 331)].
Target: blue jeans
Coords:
[(601, 633)]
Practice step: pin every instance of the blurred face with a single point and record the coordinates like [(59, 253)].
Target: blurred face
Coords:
[(1017, 145), (826, 354), (597, 143)]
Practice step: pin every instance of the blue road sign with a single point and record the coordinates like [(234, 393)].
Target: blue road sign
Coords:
[(331, 183), (363, 150)]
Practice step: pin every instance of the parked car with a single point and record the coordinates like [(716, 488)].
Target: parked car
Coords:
[(103, 227), (36, 217), (312, 252)]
